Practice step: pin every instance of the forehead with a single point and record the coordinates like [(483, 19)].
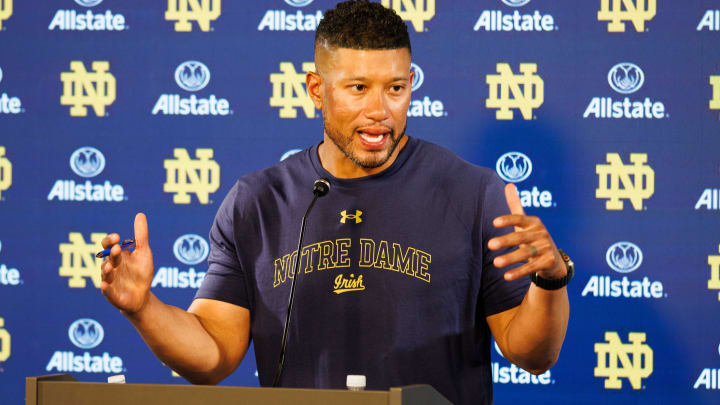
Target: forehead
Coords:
[(347, 63)]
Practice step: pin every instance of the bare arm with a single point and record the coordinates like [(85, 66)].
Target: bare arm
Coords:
[(203, 344), (531, 334)]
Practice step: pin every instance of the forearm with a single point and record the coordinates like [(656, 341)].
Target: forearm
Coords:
[(179, 339), (536, 333)]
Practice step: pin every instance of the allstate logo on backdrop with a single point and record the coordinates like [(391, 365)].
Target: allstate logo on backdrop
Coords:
[(425, 107), (708, 379), (86, 162), (625, 78), (418, 12), (185, 11), (710, 21), (191, 76), (623, 257), (283, 20), (189, 249), (6, 10), (515, 167), (497, 20), (85, 333), (509, 373), (8, 104), (74, 20), (9, 276), (289, 91)]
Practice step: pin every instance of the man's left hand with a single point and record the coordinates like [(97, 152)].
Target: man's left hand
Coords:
[(533, 242)]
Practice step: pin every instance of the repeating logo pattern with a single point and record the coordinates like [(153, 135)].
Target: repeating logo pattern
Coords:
[(87, 20), (615, 360), (514, 167), (289, 91), (199, 176), (418, 12), (617, 12), (192, 75), (5, 341), (715, 100), (87, 161), (191, 249), (82, 88), (184, 11), (283, 20), (624, 257), (714, 282), (6, 11), (618, 181), (626, 78), (5, 172), (509, 91), (78, 259), (86, 333)]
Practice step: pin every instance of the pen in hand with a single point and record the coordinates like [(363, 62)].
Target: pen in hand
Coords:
[(127, 244)]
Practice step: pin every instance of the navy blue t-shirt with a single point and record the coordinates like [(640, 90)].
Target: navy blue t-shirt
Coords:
[(395, 275)]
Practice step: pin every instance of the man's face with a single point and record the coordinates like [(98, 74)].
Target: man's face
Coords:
[(364, 100)]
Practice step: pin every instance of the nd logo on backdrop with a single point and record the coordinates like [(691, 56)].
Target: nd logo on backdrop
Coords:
[(79, 261), (82, 88), (4, 341), (289, 91), (510, 91), (714, 281), (616, 360), (200, 11), (715, 100), (200, 176), (5, 172), (617, 12), (637, 181), (415, 11), (6, 11)]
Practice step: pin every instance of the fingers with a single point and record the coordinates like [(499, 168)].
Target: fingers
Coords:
[(108, 272), (515, 239), (517, 220), (141, 232), (524, 252), (110, 240), (513, 199), (115, 256), (547, 260)]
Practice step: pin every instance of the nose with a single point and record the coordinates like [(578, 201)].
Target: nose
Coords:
[(376, 106)]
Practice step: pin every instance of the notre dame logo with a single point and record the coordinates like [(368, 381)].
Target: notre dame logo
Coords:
[(531, 95), (638, 181), (184, 11), (5, 172), (635, 11), (82, 88), (289, 92), (714, 263), (415, 11), (715, 101), (79, 261), (344, 216), (4, 341), (6, 10), (200, 176), (635, 360)]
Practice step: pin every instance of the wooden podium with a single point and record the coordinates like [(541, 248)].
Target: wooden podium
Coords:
[(63, 389)]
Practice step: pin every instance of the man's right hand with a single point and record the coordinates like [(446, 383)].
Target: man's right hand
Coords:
[(126, 277)]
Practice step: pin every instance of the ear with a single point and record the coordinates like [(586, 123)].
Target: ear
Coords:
[(313, 81)]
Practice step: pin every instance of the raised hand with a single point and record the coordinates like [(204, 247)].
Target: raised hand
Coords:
[(532, 239), (126, 277)]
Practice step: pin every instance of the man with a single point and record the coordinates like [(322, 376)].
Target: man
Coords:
[(398, 278)]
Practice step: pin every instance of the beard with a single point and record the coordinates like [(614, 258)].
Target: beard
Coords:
[(376, 158)]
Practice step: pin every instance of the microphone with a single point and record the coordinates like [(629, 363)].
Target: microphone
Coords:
[(320, 188)]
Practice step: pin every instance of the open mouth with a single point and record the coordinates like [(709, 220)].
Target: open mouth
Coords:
[(374, 137)]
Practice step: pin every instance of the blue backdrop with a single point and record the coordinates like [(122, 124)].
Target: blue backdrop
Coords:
[(606, 114)]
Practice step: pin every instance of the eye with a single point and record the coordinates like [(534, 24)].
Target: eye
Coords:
[(359, 87), (398, 88)]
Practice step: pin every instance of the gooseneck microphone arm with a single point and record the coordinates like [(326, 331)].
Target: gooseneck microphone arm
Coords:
[(320, 188)]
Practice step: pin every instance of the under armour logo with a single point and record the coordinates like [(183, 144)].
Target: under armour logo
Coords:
[(344, 216)]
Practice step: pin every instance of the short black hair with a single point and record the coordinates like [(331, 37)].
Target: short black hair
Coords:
[(360, 24)]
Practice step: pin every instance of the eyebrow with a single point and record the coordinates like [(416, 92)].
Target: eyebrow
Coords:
[(363, 78)]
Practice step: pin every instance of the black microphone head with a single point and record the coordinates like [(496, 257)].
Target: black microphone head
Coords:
[(321, 187)]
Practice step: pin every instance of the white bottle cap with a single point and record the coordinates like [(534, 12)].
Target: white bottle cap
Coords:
[(116, 379), (355, 382)]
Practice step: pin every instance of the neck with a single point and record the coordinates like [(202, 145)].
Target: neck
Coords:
[(336, 163)]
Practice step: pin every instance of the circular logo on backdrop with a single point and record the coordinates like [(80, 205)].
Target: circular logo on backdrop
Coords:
[(624, 257), (87, 161), (514, 167), (192, 75), (497, 349), (298, 3), (191, 249), (626, 78), (0, 74), (289, 153), (86, 333), (419, 77), (0, 246), (516, 3), (88, 3)]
